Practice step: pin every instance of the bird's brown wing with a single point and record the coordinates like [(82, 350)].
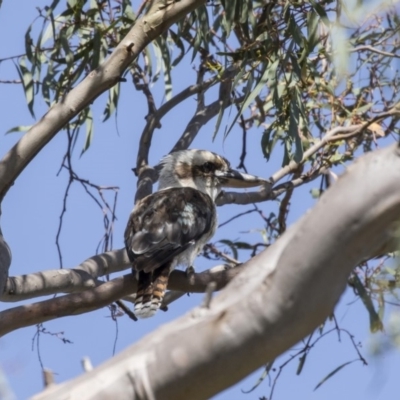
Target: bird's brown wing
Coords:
[(164, 224)]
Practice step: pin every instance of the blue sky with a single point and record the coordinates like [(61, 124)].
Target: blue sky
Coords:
[(30, 220)]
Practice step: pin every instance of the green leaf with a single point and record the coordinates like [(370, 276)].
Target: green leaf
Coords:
[(48, 83), (336, 370), (88, 119), (312, 30), (363, 109), (166, 64), (148, 61), (266, 144), (69, 55), (315, 193), (294, 30), (28, 45), (112, 102), (127, 10), (202, 28), (52, 6), (20, 128), (265, 373), (179, 44), (294, 130), (375, 322), (242, 11), (286, 153), (268, 75), (221, 113), (231, 245), (302, 361), (243, 245), (159, 61), (27, 83), (321, 12), (96, 49), (229, 15)]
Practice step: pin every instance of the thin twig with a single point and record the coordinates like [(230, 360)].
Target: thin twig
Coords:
[(374, 50)]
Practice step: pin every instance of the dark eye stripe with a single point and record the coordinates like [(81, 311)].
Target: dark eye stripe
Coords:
[(208, 167)]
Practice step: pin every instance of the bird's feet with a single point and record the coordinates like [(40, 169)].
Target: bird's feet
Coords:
[(190, 270), (190, 273)]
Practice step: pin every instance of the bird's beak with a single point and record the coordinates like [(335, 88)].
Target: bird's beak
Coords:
[(235, 179)]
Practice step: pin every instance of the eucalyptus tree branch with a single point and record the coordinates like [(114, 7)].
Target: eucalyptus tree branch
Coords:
[(200, 118), (154, 119), (263, 194), (72, 304), (65, 280), (147, 175), (105, 294), (301, 180), (139, 75), (374, 50), (83, 277), (159, 17), (281, 296), (205, 113)]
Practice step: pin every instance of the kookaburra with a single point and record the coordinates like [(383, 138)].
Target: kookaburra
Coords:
[(171, 226)]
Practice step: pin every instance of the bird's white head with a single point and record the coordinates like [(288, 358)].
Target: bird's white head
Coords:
[(204, 171)]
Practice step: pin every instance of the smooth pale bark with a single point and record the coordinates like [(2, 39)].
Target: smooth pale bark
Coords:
[(281, 295), (65, 280)]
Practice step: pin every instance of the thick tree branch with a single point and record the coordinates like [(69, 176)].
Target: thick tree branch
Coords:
[(65, 280), (73, 304), (160, 16), (105, 294), (282, 295)]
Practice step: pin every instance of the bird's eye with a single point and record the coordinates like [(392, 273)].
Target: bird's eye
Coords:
[(208, 167)]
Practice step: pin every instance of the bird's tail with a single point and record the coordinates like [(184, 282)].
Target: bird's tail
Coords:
[(151, 290)]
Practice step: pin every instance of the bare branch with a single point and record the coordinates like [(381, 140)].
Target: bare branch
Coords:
[(65, 280), (84, 276), (72, 304), (374, 50), (244, 198), (206, 113), (105, 294)]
